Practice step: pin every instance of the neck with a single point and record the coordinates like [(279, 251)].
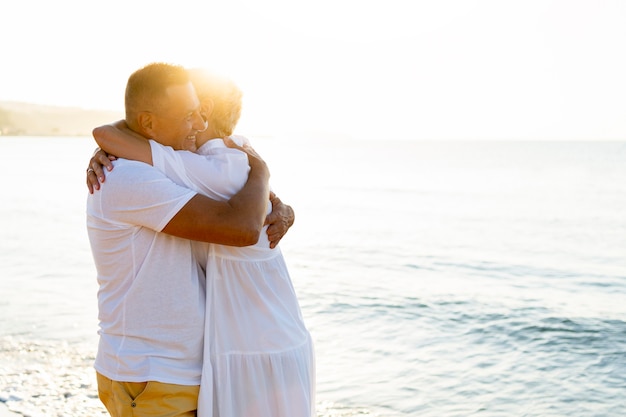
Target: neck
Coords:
[(205, 136)]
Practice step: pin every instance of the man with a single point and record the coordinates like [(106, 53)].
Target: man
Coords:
[(151, 296)]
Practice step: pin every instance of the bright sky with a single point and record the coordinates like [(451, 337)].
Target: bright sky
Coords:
[(371, 68)]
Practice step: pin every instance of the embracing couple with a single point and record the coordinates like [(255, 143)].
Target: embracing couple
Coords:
[(197, 312)]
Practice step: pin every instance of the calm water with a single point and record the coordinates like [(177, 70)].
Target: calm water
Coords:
[(437, 278)]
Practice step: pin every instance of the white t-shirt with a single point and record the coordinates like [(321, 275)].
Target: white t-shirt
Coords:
[(151, 297), (215, 170)]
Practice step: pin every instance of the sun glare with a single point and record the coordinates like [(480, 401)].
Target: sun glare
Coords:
[(452, 69)]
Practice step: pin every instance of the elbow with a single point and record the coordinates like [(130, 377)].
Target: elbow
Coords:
[(100, 134), (97, 134), (248, 236), (246, 229), (245, 232)]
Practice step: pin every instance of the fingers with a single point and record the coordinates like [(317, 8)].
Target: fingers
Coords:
[(274, 241), (90, 181), (95, 171), (274, 238), (270, 218), (275, 232), (230, 143), (245, 147), (279, 220), (273, 244), (95, 175), (99, 160)]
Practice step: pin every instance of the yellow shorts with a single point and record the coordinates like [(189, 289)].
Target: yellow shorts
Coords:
[(147, 399)]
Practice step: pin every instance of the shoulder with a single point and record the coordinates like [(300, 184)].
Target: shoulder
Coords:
[(137, 193), (162, 154), (240, 140), (217, 145), (127, 171), (134, 179)]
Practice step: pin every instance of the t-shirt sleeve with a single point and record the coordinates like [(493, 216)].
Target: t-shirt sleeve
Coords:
[(169, 162), (138, 194), (218, 175)]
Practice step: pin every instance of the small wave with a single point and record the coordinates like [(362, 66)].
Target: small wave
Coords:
[(419, 267), (494, 269)]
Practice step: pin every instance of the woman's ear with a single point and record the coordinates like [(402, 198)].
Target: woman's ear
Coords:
[(206, 108)]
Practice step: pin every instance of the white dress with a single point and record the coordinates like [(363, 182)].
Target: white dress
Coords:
[(258, 354)]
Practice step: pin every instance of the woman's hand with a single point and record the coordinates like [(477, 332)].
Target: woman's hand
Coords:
[(95, 170)]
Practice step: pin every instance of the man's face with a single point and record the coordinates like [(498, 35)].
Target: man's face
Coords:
[(176, 123)]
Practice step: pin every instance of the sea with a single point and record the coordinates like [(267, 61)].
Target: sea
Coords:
[(438, 278)]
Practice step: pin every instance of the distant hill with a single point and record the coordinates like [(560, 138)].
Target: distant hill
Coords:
[(25, 119)]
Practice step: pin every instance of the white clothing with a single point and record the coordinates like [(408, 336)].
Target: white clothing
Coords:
[(258, 359), (151, 295)]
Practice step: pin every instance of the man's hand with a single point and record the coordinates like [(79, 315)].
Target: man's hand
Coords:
[(95, 171), (279, 220)]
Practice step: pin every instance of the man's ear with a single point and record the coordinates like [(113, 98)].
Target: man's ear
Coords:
[(145, 120)]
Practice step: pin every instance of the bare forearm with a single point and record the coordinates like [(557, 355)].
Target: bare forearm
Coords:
[(245, 215), (117, 139)]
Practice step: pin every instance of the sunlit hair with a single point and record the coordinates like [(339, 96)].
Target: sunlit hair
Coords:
[(146, 87), (226, 97)]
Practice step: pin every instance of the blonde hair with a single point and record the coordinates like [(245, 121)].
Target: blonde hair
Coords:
[(224, 94)]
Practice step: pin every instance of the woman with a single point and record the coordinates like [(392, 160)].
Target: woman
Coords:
[(258, 354)]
